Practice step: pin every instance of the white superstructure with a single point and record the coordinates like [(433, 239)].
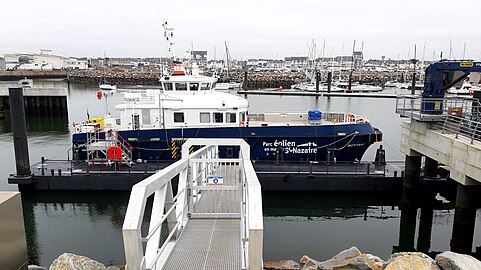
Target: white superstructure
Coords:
[(185, 101)]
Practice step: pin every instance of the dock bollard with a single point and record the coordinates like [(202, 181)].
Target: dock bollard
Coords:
[(42, 159)]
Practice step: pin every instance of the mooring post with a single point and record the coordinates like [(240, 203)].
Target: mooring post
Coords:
[(414, 61), (42, 159), (318, 77), (349, 87), (245, 84), (19, 129), (329, 81), (464, 219)]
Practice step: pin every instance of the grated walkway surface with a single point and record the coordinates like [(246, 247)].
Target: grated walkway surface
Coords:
[(207, 244), (212, 243)]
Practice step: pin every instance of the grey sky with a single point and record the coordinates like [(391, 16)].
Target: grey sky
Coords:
[(262, 28)]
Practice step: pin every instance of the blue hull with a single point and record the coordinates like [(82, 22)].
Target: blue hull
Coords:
[(345, 142)]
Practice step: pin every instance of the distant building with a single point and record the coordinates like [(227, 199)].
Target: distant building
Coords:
[(44, 60), (358, 60), (200, 57), (74, 63), (2, 64)]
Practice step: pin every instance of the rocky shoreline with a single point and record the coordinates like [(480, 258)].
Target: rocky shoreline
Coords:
[(353, 259), (349, 259), (256, 80)]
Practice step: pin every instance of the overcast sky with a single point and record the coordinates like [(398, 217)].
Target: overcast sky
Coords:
[(254, 29)]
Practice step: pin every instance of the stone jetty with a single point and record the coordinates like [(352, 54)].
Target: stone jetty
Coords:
[(256, 80)]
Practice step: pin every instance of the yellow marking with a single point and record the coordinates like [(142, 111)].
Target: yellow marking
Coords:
[(173, 145), (466, 64)]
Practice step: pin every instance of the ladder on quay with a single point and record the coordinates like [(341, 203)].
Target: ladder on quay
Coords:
[(214, 221)]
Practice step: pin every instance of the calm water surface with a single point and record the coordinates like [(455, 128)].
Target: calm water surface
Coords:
[(295, 224)]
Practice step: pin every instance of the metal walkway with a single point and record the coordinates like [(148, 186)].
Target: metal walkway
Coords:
[(207, 242), (213, 222)]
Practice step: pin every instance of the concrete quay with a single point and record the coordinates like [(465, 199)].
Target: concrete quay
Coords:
[(32, 74), (461, 156)]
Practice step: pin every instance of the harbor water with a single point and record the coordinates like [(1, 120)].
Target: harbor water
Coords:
[(295, 224)]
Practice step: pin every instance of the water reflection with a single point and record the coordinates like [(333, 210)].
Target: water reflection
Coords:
[(322, 224), (84, 223), (39, 124)]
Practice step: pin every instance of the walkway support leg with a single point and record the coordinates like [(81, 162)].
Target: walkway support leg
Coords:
[(464, 220), (411, 179), (430, 167)]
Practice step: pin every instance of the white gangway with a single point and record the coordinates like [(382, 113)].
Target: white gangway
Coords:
[(213, 220)]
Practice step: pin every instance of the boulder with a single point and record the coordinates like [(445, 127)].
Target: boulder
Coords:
[(350, 258), (282, 265), (69, 261), (308, 263), (410, 260), (116, 267), (36, 267), (454, 261)]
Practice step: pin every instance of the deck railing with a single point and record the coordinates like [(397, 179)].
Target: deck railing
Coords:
[(452, 115), (434, 109), (146, 249)]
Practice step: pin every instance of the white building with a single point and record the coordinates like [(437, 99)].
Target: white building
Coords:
[(74, 63), (2, 64), (44, 60), (46, 57)]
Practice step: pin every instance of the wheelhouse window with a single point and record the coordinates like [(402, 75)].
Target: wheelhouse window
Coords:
[(242, 116), (205, 117), (146, 117), (178, 117), (194, 86), (181, 86), (168, 87), (218, 117), (230, 117), (204, 86)]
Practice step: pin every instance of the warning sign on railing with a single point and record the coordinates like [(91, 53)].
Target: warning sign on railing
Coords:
[(213, 180)]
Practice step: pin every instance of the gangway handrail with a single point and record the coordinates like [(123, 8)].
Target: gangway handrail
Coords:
[(174, 209)]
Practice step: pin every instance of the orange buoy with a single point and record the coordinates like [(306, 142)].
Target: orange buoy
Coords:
[(99, 95), (114, 153), (280, 87)]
